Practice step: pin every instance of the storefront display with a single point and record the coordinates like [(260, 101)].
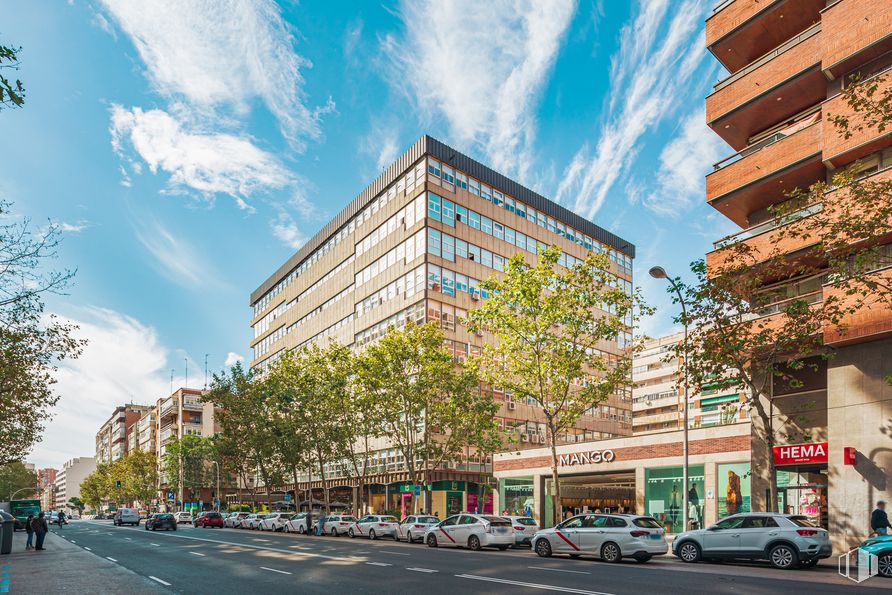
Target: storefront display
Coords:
[(733, 493), (663, 497), (803, 492), (517, 496)]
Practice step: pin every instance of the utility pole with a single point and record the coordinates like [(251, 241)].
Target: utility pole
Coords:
[(171, 381), (186, 381), (206, 370)]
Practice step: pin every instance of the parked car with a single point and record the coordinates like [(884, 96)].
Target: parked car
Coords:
[(474, 531), (161, 520), (372, 526), (274, 521), (183, 517), (785, 540), (881, 547), (297, 523), (252, 521), (338, 524), (412, 528), (126, 516), (235, 519), (208, 519), (524, 529), (52, 518), (608, 536)]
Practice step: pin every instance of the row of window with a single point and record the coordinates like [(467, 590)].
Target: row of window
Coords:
[(325, 278), (666, 394), (408, 216), (328, 331), (447, 247), (262, 346), (319, 309), (264, 323), (407, 285), (404, 253), (449, 282), (415, 313)]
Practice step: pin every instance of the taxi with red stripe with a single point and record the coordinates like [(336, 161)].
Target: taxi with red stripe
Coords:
[(473, 531), (610, 537), (374, 526), (414, 526)]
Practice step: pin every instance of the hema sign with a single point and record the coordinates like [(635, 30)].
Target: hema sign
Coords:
[(587, 458), (794, 454)]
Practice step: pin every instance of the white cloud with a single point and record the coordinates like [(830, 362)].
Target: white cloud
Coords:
[(287, 231), (233, 358), (75, 227), (649, 75), (175, 258), (206, 162), (483, 70), (225, 54)]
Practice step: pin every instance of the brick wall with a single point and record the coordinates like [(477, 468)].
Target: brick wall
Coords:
[(853, 25)]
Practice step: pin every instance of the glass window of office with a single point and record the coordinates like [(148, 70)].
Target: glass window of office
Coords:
[(663, 496), (733, 493)]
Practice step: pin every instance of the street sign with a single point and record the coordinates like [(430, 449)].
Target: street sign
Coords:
[(287, 498), (418, 490), (201, 504), (118, 484)]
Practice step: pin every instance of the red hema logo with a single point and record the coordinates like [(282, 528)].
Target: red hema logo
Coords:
[(793, 454)]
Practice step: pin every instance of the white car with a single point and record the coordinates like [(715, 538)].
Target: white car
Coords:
[(252, 521), (234, 519), (374, 526), (274, 521), (123, 516), (297, 523), (473, 531), (183, 517), (413, 527), (608, 536), (337, 524), (524, 529)]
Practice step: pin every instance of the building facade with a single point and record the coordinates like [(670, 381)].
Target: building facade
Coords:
[(414, 245), (788, 61), (658, 393), (113, 438), (69, 479), (46, 479)]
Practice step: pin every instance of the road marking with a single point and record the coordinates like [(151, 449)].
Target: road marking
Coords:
[(378, 564), (155, 544), (197, 554), (394, 553), (112, 559), (72, 541), (129, 538), (505, 581), (155, 578), (266, 540), (274, 570), (422, 570), (88, 549), (557, 570)]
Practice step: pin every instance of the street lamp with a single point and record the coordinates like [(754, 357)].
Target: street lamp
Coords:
[(217, 465), (660, 273), (33, 490)]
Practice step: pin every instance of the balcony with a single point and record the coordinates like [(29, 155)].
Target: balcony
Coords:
[(655, 418), (852, 45), (167, 433), (780, 84), (192, 403), (169, 405), (840, 151), (755, 179), (871, 322), (739, 31)]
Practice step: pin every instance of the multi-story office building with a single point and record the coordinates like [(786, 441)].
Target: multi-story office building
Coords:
[(69, 479), (788, 62), (658, 393), (112, 439), (414, 245), (146, 432), (46, 479)]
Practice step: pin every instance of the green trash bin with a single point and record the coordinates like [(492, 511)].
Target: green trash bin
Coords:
[(7, 528)]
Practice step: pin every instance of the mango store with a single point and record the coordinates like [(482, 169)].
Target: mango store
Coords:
[(637, 474)]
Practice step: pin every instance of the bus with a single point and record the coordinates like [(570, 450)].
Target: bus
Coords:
[(20, 509)]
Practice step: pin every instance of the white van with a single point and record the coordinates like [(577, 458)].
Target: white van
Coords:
[(126, 516)]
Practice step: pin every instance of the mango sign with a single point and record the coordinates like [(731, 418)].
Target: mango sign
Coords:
[(797, 454), (587, 458)]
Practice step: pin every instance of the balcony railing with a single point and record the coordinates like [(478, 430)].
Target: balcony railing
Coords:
[(167, 405), (192, 403), (758, 62), (804, 120), (721, 6), (774, 308), (768, 226)]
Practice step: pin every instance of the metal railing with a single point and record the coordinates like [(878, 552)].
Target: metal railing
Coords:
[(768, 226), (768, 141)]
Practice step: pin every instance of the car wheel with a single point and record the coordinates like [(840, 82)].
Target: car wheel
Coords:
[(474, 543), (301, 530), (783, 557), (689, 552), (153, 528), (644, 558), (372, 535), (334, 532), (409, 537), (543, 548), (350, 533), (431, 540), (174, 527), (610, 552), (884, 564)]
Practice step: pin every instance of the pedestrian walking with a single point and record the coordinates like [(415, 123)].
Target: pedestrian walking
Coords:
[(879, 519), (40, 528), (320, 524), (29, 544)]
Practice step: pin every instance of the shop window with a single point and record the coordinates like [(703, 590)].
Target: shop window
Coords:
[(663, 496)]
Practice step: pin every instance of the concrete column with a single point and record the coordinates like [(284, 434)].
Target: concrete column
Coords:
[(710, 486), (539, 499), (640, 483)]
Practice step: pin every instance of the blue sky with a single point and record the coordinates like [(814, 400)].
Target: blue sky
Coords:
[(188, 148)]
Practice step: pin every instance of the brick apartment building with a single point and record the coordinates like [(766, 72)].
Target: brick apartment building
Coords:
[(112, 439)]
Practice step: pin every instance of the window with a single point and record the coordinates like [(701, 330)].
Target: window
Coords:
[(758, 522), (498, 231), (448, 247), (461, 248), (433, 167), (468, 520), (474, 253), (461, 180), (474, 220), (498, 198), (574, 523), (474, 186), (453, 520), (618, 522), (595, 522), (448, 282), (509, 235), (461, 214), (448, 175), (729, 523), (647, 523), (433, 206), (486, 193), (486, 225), (448, 212)]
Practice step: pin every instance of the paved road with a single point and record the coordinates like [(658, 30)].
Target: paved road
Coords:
[(234, 561)]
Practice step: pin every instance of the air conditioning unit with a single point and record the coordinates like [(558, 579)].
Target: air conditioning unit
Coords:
[(512, 405), (479, 333), (541, 439), (524, 438), (475, 297)]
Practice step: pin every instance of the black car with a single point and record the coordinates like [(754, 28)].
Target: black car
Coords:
[(161, 521)]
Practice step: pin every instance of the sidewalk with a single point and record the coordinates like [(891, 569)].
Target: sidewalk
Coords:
[(66, 568)]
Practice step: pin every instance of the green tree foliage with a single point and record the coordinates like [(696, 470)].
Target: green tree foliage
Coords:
[(188, 463), (549, 326), (138, 472), (77, 504), (96, 488), (14, 476), (12, 93)]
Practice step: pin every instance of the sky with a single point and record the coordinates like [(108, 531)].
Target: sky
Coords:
[(187, 148)]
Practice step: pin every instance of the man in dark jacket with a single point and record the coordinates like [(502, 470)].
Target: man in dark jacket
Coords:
[(40, 528), (29, 544), (879, 519)]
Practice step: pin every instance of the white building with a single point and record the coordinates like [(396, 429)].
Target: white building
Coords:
[(69, 479)]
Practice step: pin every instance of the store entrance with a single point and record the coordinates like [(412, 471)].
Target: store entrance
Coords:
[(600, 492), (803, 491)]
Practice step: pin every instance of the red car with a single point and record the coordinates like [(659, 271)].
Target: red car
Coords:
[(208, 519)]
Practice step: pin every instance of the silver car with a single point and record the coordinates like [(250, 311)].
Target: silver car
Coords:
[(608, 536), (235, 519), (275, 521), (412, 527), (785, 540), (524, 529), (473, 531)]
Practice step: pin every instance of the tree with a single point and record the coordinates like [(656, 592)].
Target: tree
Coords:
[(77, 504), (430, 407), (138, 473), (15, 477), (549, 325), (360, 415), (188, 463), (96, 488), (12, 93)]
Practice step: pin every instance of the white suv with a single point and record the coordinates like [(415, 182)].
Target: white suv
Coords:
[(126, 516), (473, 531), (787, 541), (609, 536)]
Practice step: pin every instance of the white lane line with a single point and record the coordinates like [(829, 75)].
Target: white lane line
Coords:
[(505, 581), (266, 540), (155, 544), (274, 570), (129, 538), (88, 549), (394, 553), (558, 570), (112, 559), (197, 554), (422, 570), (155, 578), (72, 541), (378, 564)]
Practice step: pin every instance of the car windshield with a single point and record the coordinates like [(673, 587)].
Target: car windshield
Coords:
[(527, 522), (298, 516), (801, 521), (496, 520), (428, 519), (389, 519), (647, 523), (163, 516)]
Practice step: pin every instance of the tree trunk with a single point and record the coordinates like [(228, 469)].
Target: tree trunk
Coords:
[(555, 480), (768, 455)]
